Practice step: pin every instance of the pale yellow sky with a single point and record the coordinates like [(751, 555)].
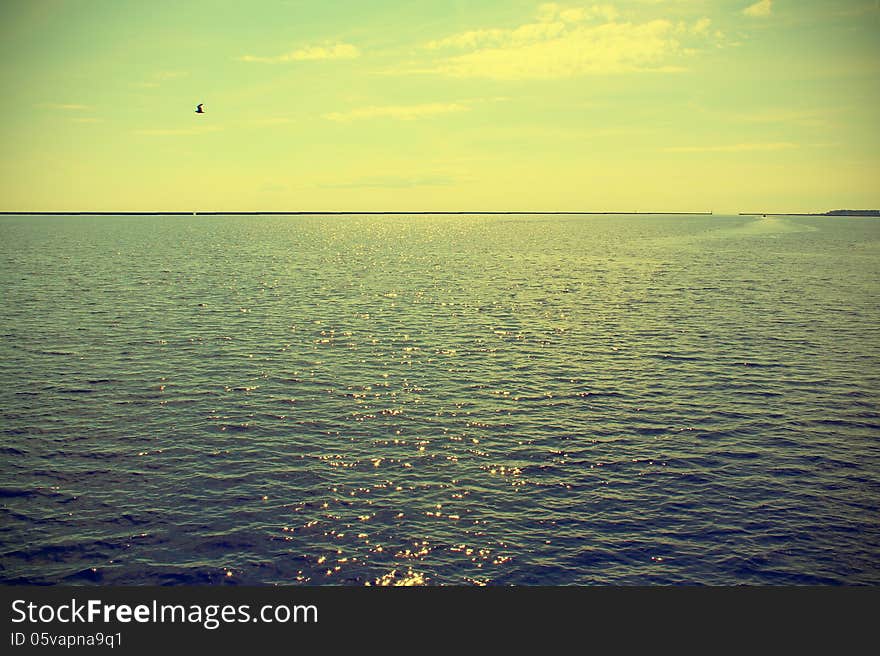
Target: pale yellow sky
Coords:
[(677, 105)]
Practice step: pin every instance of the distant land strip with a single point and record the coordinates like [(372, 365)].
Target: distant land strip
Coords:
[(333, 213), (830, 213)]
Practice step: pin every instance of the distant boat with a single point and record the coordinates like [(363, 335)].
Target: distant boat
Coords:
[(199, 109)]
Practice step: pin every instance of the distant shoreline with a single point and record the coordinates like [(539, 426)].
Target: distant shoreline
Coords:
[(298, 213), (863, 213), (831, 213)]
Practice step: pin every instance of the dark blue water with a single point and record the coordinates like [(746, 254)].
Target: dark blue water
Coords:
[(440, 400)]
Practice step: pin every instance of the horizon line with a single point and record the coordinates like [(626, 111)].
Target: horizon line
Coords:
[(318, 212)]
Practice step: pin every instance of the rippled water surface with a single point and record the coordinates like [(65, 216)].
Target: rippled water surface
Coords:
[(440, 399)]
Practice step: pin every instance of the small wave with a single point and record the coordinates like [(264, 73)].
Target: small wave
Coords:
[(237, 427), (12, 492)]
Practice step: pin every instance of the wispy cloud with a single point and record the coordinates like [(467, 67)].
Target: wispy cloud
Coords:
[(399, 112), (733, 148), (809, 117), (68, 107), (169, 75), (567, 42), (74, 111), (309, 53), (760, 8), (804, 117), (862, 10)]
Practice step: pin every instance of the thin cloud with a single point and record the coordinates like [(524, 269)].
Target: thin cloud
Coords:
[(856, 11), (74, 109), (733, 148), (760, 8), (68, 107), (398, 112), (700, 26), (806, 117), (169, 75), (309, 53), (567, 42)]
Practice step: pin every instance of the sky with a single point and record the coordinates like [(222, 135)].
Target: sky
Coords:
[(636, 105)]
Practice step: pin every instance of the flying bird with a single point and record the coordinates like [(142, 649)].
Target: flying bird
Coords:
[(199, 109)]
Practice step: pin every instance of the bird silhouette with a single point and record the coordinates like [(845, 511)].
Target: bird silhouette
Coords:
[(199, 109)]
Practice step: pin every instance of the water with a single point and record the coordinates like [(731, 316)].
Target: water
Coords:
[(440, 399)]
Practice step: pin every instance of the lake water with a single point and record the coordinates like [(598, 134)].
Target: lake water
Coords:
[(440, 399)]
